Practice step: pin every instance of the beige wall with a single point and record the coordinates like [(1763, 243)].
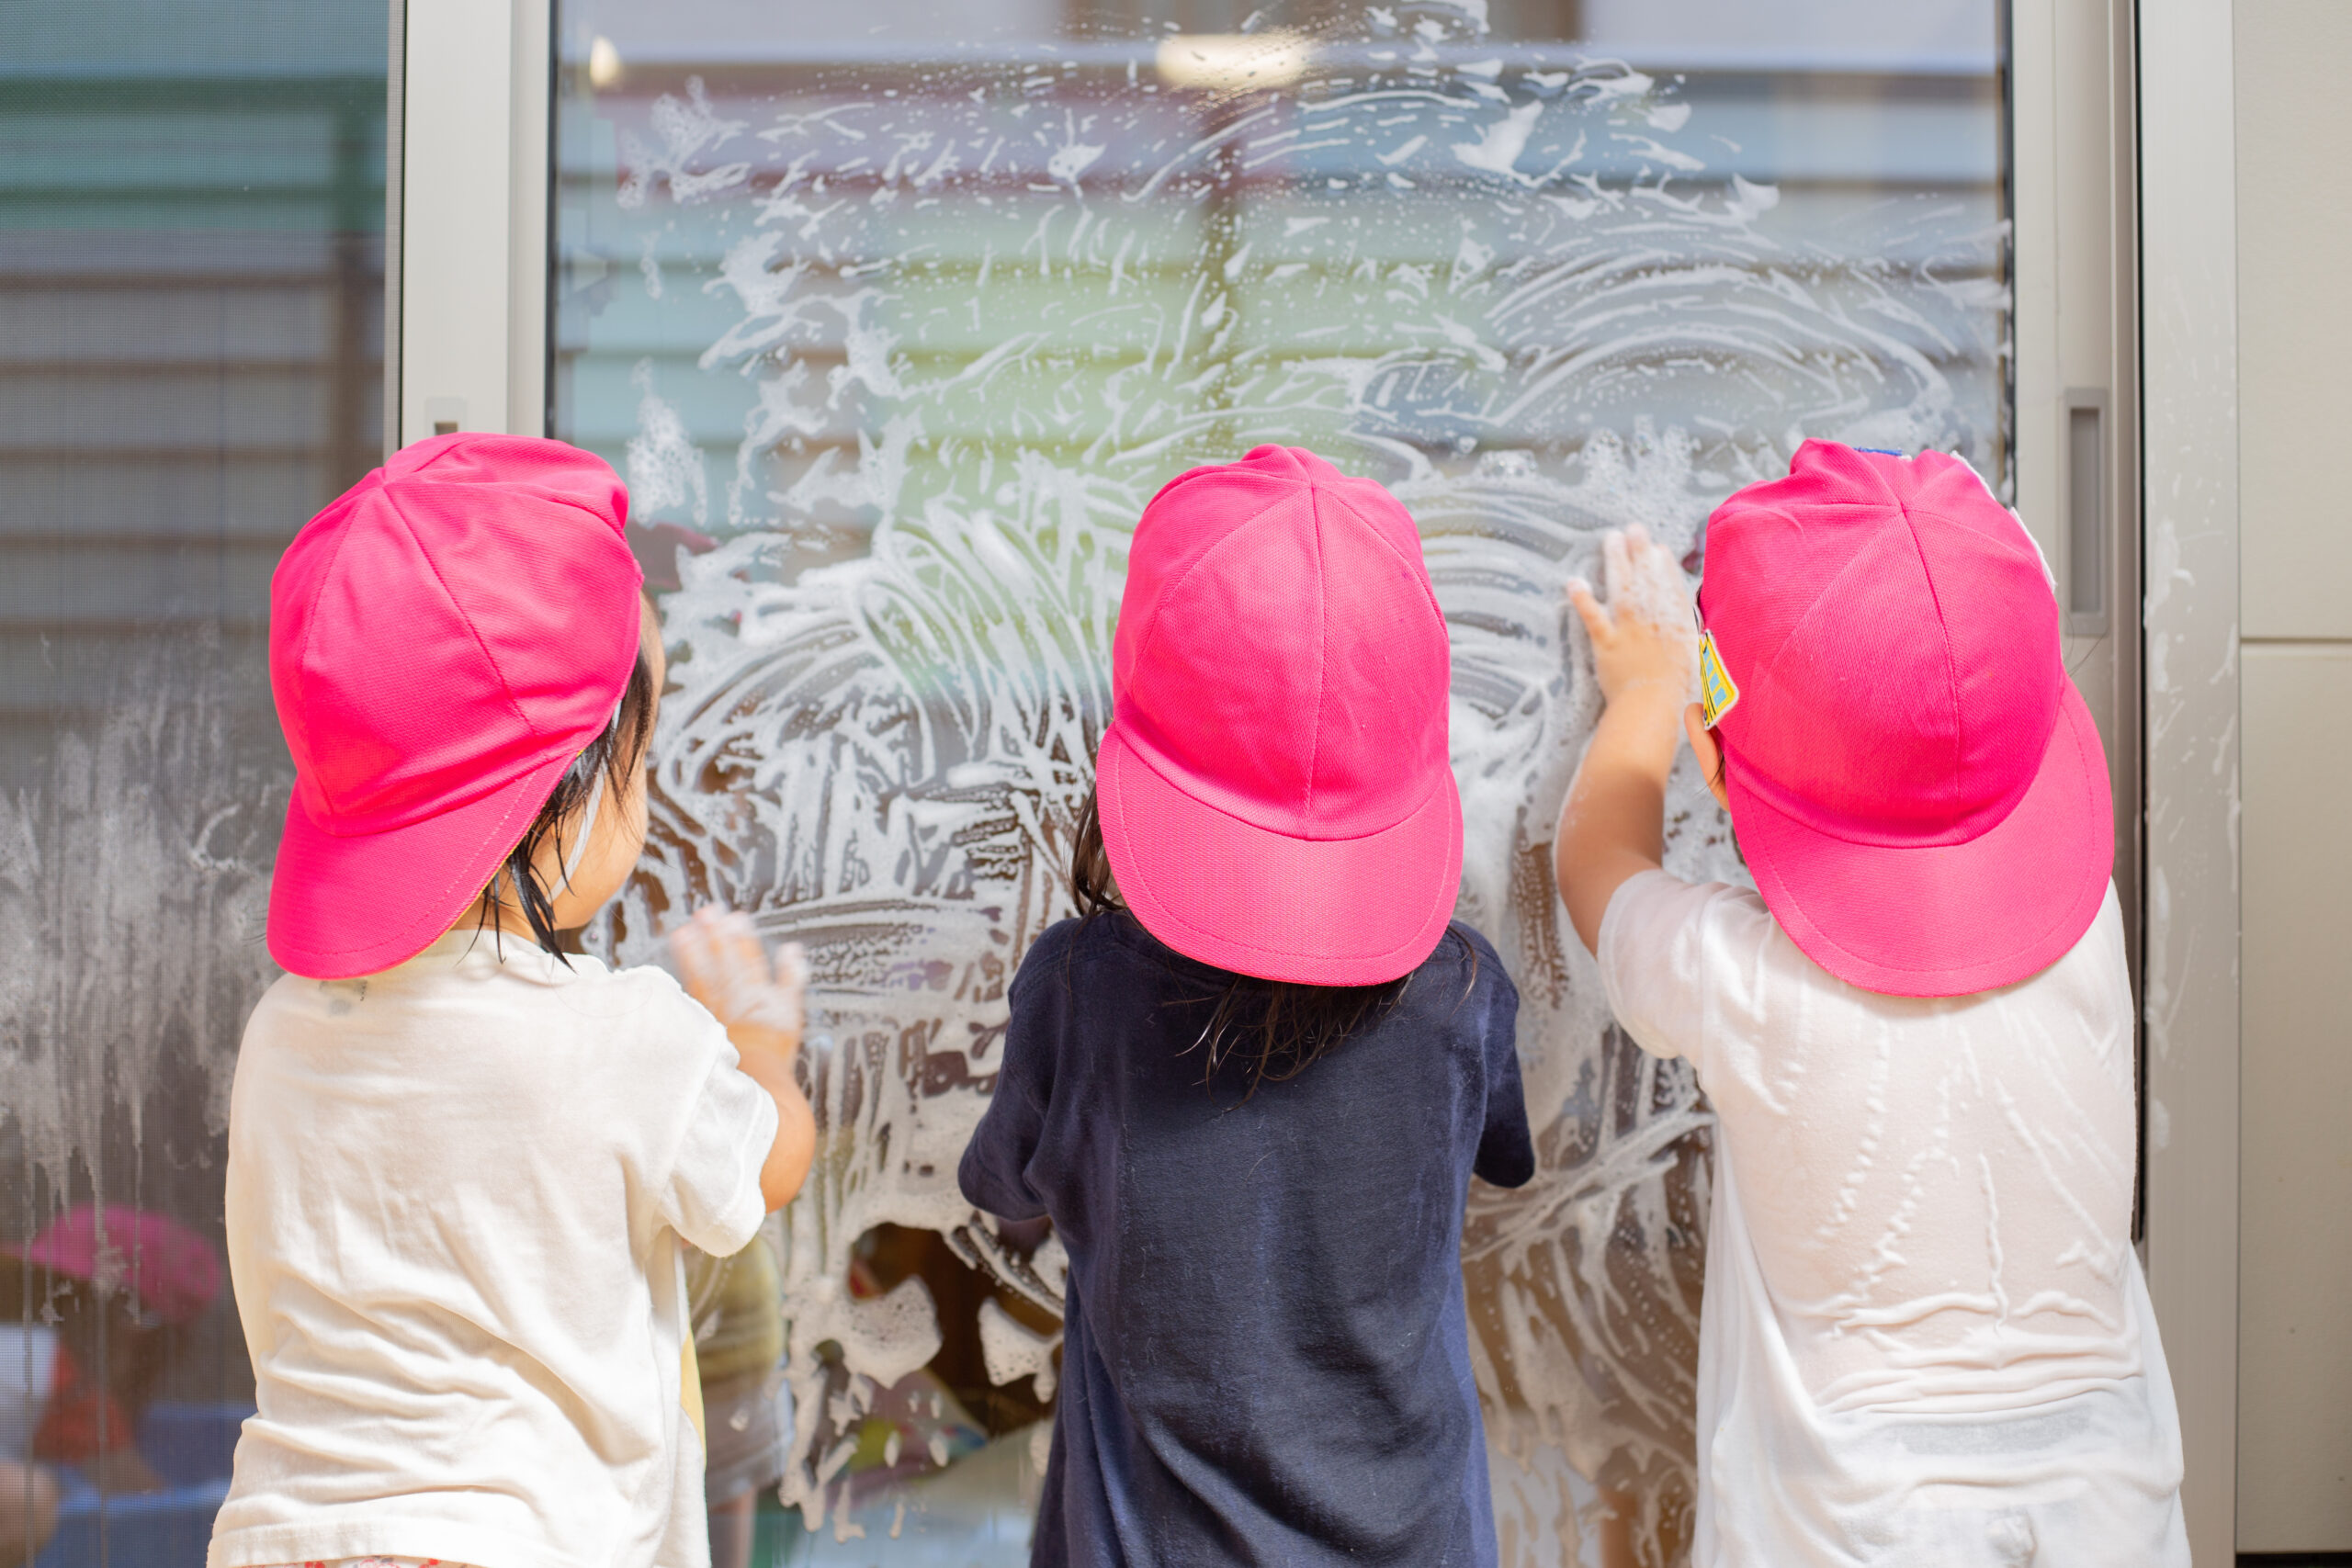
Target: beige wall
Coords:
[(2294, 257)]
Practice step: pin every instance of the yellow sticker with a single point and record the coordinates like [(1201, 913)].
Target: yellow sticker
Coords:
[(1717, 693)]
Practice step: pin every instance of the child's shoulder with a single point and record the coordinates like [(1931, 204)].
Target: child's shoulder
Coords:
[(1465, 943), (1653, 903), (645, 992), (1464, 963), (1080, 942)]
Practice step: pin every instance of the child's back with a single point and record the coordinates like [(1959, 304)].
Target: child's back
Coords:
[(1928, 1205), (1926, 1336), (1265, 1357), (460, 1165), (455, 1193), (1251, 1088)]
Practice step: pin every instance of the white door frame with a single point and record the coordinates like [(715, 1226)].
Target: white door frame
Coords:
[(2093, 108), (2188, 277)]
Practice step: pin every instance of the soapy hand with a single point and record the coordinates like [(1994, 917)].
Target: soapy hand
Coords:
[(1646, 635), (724, 966)]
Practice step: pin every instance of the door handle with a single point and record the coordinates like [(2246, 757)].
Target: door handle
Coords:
[(2089, 548)]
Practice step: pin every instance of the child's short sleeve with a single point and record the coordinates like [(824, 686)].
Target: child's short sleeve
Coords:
[(1506, 1143), (1653, 967), (712, 1198), (994, 1173)]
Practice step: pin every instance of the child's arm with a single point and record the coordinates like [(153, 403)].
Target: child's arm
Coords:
[(1645, 651), (726, 969)]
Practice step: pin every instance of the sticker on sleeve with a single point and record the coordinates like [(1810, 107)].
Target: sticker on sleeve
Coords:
[(1717, 695)]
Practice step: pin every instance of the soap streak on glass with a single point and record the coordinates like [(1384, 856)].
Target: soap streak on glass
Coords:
[(894, 332)]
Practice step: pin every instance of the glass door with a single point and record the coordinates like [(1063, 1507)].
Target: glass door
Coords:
[(893, 318), (191, 291)]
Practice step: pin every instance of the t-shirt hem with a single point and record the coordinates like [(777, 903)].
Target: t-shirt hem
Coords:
[(265, 1546)]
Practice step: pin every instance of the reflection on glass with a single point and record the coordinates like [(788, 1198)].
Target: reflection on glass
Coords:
[(894, 319), (191, 202)]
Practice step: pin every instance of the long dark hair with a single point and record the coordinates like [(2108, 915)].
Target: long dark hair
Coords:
[(615, 753), (1279, 1028)]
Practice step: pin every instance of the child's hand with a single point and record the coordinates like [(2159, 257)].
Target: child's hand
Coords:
[(1646, 635), (726, 969)]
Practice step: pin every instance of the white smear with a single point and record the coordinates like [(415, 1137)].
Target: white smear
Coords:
[(134, 890), (1074, 157), (884, 757), (688, 128), (665, 470), (1500, 143), (1011, 1351)]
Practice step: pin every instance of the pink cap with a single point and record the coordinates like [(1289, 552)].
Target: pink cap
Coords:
[(1917, 785), (445, 638), (1274, 791), (172, 1271)]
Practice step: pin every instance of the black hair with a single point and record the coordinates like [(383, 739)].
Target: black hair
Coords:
[(615, 753), (1283, 1026)]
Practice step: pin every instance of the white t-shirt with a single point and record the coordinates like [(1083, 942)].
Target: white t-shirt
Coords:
[(1926, 1338), (454, 1196)]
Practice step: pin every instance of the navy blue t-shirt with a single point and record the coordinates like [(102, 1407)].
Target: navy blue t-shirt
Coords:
[(1266, 1359)]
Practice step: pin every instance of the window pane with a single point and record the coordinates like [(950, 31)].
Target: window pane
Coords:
[(191, 285), (895, 321)]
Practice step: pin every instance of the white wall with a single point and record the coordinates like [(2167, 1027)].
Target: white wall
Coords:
[(2294, 212)]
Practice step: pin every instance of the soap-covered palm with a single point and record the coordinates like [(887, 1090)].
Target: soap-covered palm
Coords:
[(725, 967), (1646, 633)]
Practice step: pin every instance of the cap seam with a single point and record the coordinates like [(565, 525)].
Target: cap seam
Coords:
[(1951, 675), (1151, 627), (1768, 675), (1322, 652), (1428, 591), (504, 687)]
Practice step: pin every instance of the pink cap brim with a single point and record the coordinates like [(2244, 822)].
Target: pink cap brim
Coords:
[(344, 906), (1318, 912), (1951, 920)]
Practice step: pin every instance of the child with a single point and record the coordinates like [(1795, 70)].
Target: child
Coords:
[(132, 1283), (1250, 1085), (460, 1162), (1926, 1336)]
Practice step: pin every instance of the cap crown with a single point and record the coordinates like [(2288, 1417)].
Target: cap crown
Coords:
[(449, 624), (1892, 632), (1280, 654)]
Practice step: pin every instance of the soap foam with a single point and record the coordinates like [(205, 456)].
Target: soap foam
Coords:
[(884, 756)]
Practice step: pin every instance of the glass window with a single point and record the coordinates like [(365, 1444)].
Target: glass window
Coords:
[(893, 319), (191, 284)]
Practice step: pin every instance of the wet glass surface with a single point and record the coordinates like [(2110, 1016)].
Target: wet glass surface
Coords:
[(191, 206), (894, 322)]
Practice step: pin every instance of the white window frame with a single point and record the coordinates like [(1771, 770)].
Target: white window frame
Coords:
[(467, 319), (468, 296), (2188, 143)]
